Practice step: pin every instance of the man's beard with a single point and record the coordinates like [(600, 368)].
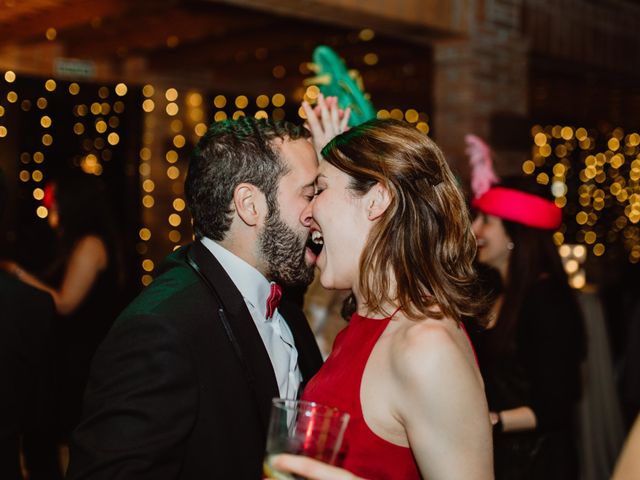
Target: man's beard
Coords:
[(284, 252)]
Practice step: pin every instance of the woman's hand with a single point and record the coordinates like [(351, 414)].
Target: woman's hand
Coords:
[(325, 120), (11, 267), (494, 418), (309, 468)]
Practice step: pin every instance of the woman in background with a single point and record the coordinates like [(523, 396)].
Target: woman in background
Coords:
[(84, 281), (530, 354)]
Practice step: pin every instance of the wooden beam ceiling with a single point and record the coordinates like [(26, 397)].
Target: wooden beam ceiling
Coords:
[(61, 15), (226, 46)]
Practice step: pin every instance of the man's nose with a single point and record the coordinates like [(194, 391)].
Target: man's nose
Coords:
[(306, 217)]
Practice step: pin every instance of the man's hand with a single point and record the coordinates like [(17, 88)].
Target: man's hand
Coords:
[(309, 468), (325, 120)]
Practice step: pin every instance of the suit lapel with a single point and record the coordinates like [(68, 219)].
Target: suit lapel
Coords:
[(251, 346)]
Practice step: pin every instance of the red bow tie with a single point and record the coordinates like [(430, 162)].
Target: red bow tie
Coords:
[(274, 299)]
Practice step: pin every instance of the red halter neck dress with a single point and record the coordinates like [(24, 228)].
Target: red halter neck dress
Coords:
[(337, 384)]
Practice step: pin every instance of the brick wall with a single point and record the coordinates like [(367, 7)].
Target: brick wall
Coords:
[(480, 76)]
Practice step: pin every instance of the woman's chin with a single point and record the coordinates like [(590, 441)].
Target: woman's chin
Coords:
[(331, 283), (326, 280)]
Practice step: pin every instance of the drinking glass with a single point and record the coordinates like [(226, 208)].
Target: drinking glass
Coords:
[(303, 428)]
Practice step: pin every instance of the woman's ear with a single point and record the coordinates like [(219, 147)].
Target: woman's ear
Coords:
[(378, 200), (249, 203)]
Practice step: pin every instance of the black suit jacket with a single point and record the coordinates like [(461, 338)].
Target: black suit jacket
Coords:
[(26, 322), (168, 397)]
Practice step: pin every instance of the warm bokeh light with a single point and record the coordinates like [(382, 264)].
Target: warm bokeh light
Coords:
[(241, 101), (179, 141), (370, 58), (148, 91), (45, 121), (121, 89), (144, 169), (366, 34), (172, 109), (179, 205), (173, 172), (148, 105), (175, 220), (113, 138), (145, 234), (148, 186), (171, 94), (42, 211), (148, 201), (278, 100), (411, 115), (220, 101), (171, 156), (262, 101), (175, 236)]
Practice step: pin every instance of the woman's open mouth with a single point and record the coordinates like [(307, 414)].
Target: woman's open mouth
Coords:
[(315, 242)]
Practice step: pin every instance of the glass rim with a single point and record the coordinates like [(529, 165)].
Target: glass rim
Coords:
[(294, 403)]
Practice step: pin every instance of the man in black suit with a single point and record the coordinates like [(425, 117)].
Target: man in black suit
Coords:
[(181, 388), (26, 322)]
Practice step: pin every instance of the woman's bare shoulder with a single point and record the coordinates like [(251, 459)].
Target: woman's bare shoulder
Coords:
[(424, 345), (92, 249)]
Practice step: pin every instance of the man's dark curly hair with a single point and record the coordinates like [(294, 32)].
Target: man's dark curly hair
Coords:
[(230, 153)]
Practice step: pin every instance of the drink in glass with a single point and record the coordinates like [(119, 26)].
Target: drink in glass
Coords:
[(304, 428)]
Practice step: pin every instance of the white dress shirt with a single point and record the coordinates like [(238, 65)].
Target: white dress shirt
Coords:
[(275, 333)]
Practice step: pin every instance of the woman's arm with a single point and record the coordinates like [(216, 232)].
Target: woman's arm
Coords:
[(628, 464), (440, 400), (88, 259)]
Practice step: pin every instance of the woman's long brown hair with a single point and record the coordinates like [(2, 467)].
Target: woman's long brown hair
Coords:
[(419, 255)]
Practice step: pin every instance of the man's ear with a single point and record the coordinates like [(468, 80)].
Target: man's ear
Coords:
[(378, 200), (249, 203)]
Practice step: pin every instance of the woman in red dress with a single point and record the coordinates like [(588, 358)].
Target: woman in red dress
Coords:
[(396, 232)]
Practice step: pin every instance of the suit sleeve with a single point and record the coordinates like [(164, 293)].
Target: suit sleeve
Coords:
[(11, 368), (25, 329), (139, 406)]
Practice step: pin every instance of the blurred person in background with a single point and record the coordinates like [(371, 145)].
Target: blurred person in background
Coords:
[(84, 280), (26, 327), (530, 353)]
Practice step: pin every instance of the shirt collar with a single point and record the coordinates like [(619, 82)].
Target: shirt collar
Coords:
[(253, 286)]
